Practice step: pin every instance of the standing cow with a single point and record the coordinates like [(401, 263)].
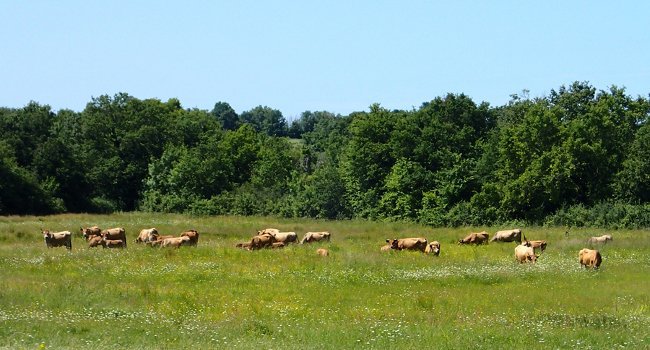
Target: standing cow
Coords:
[(513, 235), (418, 243), (57, 239), (600, 239), (525, 253), (590, 258), (117, 233), (90, 232)]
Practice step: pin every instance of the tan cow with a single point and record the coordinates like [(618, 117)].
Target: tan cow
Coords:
[(115, 234), (268, 231), (590, 258), (193, 235), (175, 242), (158, 241), (57, 239), (286, 237), (433, 248), (525, 253), (310, 237), (96, 241), (475, 238), (418, 243), (601, 239), (322, 252), (147, 235), (113, 243), (261, 241), (90, 232), (513, 235), (539, 244)]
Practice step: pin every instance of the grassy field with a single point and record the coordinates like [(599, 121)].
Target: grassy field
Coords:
[(218, 296)]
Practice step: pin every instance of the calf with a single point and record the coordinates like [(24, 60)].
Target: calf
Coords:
[(90, 232), (475, 238), (113, 243), (158, 241), (408, 243), (96, 241), (322, 252), (147, 235), (541, 245), (57, 239), (310, 237), (525, 253), (175, 242), (590, 258), (193, 235), (433, 248)]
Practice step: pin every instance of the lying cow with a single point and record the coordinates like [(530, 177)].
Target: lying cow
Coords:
[(408, 244), (175, 242), (285, 237), (322, 252), (268, 231), (57, 239), (96, 241), (601, 239), (590, 258), (158, 241), (507, 236), (261, 241), (310, 237), (147, 235), (475, 238), (193, 235), (113, 243), (117, 233), (90, 232), (278, 245), (525, 253), (433, 248)]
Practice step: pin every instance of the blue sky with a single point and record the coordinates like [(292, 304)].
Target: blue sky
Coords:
[(338, 56)]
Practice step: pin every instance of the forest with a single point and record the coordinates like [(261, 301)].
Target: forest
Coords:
[(576, 157)]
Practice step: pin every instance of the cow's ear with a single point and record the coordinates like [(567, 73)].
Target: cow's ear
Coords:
[(388, 241)]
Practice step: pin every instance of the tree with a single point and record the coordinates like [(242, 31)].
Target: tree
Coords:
[(225, 115), (265, 119)]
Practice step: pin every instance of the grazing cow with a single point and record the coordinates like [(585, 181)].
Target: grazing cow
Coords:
[(286, 237), (541, 245), (57, 239), (90, 232), (322, 252), (147, 235), (507, 236), (310, 237), (113, 243), (601, 239), (268, 231), (408, 243), (115, 234), (175, 242), (193, 235), (525, 253), (433, 248), (475, 238), (590, 258), (386, 248), (96, 241), (261, 241)]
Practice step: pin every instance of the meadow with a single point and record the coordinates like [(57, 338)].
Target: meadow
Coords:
[(218, 296)]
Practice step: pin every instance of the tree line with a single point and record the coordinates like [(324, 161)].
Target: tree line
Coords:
[(577, 157)]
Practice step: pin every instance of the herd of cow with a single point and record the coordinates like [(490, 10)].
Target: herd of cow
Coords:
[(525, 251)]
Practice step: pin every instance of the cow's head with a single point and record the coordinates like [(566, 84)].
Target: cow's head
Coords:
[(434, 247), (46, 233), (526, 242), (393, 243)]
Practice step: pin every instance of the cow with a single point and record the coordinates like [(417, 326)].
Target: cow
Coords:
[(310, 237), (590, 258), (261, 241), (507, 236), (540, 244), (113, 243), (433, 248), (322, 252), (117, 233), (96, 241), (475, 238), (90, 232), (525, 253), (286, 237), (268, 231), (175, 242), (57, 239), (158, 241), (147, 235), (601, 239), (408, 244), (193, 235)]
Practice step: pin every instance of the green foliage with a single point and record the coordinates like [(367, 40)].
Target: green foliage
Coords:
[(265, 120)]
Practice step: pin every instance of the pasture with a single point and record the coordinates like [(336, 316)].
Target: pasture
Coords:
[(218, 296)]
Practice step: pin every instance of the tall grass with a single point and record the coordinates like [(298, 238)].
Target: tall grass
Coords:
[(217, 296)]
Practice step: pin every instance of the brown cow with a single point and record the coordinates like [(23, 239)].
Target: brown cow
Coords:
[(113, 243), (433, 248), (90, 232), (322, 252), (541, 245), (147, 235), (507, 236), (261, 241), (175, 242), (117, 233), (96, 241), (601, 239), (310, 237), (158, 241), (57, 239), (408, 243), (525, 253), (475, 238), (193, 235), (590, 258)]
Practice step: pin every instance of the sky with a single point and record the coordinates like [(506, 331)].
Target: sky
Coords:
[(336, 56)]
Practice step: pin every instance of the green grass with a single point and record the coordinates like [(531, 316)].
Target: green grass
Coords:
[(217, 296)]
